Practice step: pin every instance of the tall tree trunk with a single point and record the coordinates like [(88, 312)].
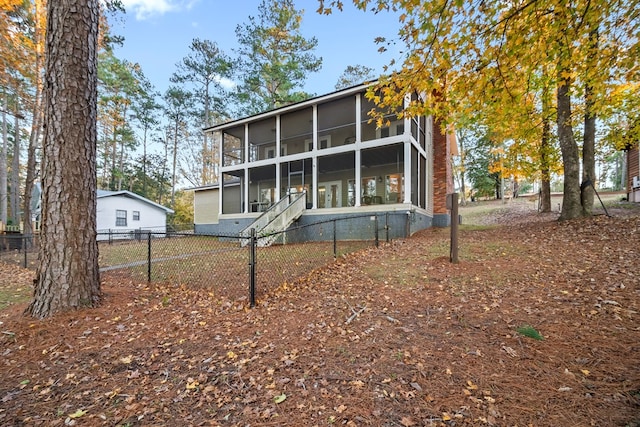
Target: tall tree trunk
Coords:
[(144, 163), (114, 154), (545, 149), (36, 124), (165, 160), (175, 161), (463, 186), (3, 162), (67, 276), (15, 168), (589, 139), (571, 206)]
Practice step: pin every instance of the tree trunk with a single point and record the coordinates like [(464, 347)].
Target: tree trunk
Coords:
[(144, 163), (3, 162), (175, 161), (589, 139), (545, 149), (36, 126), (67, 276), (463, 186), (571, 206), (15, 169)]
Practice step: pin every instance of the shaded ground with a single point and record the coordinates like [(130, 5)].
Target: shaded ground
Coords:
[(395, 336)]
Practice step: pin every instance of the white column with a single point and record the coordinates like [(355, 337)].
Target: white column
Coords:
[(245, 161), (221, 177), (407, 172), (278, 184), (314, 159), (358, 177)]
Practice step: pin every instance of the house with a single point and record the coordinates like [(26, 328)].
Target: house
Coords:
[(633, 173), (325, 150), (123, 210), (117, 211)]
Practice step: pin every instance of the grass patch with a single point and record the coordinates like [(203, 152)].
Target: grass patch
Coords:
[(530, 331), (14, 296)]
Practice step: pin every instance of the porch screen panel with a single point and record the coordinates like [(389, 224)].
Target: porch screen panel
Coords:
[(296, 177), (423, 182), (232, 192), (370, 131), (422, 131), (382, 174), (336, 178), (296, 130), (337, 123), (414, 176), (262, 139), (233, 146), (262, 187)]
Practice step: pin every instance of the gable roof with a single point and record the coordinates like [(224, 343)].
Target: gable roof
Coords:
[(106, 193)]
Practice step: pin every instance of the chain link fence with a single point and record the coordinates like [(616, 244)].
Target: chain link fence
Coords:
[(230, 266)]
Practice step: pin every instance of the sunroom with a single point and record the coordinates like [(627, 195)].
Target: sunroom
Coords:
[(327, 148)]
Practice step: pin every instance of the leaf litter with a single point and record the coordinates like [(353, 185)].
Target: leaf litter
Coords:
[(382, 337)]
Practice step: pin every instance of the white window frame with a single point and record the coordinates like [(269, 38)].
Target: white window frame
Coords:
[(119, 218)]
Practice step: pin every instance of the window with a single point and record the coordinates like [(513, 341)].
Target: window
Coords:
[(136, 215), (323, 142), (121, 218)]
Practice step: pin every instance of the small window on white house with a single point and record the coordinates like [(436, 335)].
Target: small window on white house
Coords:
[(121, 218), (136, 215)]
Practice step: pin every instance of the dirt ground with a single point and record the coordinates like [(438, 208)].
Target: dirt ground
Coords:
[(538, 325)]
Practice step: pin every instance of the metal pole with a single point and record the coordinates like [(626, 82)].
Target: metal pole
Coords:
[(386, 225), (149, 257), (376, 231), (252, 268), (454, 229), (335, 245)]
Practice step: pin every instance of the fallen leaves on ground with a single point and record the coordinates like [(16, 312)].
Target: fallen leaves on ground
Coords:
[(383, 337)]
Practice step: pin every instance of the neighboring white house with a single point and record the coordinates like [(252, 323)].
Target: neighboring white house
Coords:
[(118, 211), (125, 211)]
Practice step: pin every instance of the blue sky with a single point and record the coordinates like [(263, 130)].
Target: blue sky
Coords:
[(158, 34)]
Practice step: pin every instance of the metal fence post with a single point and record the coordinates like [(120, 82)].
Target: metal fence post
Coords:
[(386, 226), (335, 244), (407, 231), (252, 268), (149, 257), (376, 233)]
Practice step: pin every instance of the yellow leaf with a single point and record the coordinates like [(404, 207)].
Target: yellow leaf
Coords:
[(585, 372), (126, 360), (77, 414), (446, 416), (280, 398)]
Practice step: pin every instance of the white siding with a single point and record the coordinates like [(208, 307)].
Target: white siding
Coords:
[(151, 217)]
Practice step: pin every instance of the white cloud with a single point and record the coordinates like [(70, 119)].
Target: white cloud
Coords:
[(143, 9), (225, 82)]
